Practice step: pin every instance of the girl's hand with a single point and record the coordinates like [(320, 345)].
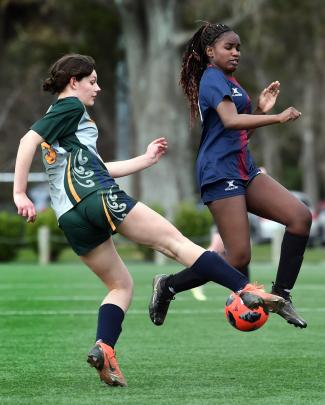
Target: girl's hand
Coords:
[(25, 206), (268, 97), (156, 149), (290, 114)]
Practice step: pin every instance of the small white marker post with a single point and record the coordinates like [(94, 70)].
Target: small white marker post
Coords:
[(276, 245), (43, 243)]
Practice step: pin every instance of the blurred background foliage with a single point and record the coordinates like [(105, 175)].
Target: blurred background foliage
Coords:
[(138, 46)]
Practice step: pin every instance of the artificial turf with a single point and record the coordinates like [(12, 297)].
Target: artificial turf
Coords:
[(47, 325)]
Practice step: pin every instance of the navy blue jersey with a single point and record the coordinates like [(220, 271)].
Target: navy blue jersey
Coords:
[(223, 153)]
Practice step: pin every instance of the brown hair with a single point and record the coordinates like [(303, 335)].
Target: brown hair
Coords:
[(71, 65)]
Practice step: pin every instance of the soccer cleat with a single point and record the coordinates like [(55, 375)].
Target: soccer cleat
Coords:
[(102, 357), (288, 311), (254, 296), (160, 300)]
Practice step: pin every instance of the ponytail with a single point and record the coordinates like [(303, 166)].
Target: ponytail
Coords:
[(195, 60)]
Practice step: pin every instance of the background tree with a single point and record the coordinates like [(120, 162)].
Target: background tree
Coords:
[(158, 108), (34, 33), (281, 41)]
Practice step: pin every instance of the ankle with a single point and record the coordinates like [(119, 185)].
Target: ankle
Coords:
[(282, 292)]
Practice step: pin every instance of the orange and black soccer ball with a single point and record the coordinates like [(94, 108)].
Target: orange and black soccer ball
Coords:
[(243, 318)]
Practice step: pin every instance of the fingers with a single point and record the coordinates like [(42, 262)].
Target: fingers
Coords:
[(25, 206), (290, 114), (31, 217), (274, 85), (295, 114), (273, 88), (160, 143), (28, 212)]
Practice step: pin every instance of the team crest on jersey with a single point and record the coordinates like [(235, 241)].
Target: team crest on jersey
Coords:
[(49, 153), (236, 92)]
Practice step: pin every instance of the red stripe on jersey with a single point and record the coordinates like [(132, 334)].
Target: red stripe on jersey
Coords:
[(242, 156)]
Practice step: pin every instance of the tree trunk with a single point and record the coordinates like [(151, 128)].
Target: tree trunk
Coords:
[(308, 155), (271, 157), (158, 107)]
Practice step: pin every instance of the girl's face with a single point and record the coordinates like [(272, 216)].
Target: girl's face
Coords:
[(87, 89), (225, 52)]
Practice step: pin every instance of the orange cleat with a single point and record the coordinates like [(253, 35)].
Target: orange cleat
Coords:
[(254, 296), (102, 357)]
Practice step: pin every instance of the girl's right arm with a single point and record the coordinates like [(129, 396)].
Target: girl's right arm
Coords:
[(25, 155)]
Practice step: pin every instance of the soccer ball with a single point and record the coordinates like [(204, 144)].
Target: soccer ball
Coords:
[(243, 318)]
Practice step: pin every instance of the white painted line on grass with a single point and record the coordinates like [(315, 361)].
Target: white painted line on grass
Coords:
[(92, 298), (130, 312), (74, 286), (93, 312)]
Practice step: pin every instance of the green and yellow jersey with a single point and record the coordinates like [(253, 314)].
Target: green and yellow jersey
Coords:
[(70, 156)]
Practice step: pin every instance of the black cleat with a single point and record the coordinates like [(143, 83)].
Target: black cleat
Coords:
[(160, 300), (288, 311)]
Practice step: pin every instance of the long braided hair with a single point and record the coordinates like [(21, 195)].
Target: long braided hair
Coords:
[(195, 61)]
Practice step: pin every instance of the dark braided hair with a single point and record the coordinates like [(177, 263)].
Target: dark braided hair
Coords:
[(71, 65), (195, 61)]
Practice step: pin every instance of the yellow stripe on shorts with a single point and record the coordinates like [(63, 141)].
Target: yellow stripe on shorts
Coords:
[(71, 188), (109, 219)]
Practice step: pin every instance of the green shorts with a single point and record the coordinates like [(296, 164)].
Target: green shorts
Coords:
[(95, 218)]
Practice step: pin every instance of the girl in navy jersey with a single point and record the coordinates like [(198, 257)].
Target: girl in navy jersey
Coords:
[(90, 207), (230, 183)]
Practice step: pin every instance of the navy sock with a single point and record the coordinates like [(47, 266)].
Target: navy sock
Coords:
[(109, 327), (291, 257), (208, 267), (245, 271)]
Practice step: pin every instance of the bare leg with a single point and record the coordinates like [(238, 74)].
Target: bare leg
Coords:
[(105, 262), (145, 226), (108, 266), (267, 198), (230, 215), (216, 244)]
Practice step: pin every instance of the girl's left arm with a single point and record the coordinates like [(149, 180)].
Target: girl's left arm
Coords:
[(155, 150)]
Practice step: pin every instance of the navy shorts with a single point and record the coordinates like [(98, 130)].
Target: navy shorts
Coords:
[(226, 188), (95, 218)]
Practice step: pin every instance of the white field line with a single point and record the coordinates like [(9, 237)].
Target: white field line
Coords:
[(130, 312), (80, 298), (74, 286), (43, 286), (94, 312)]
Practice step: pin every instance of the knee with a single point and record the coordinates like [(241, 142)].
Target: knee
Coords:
[(240, 259), (301, 222), (171, 244), (125, 284), (307, 220)]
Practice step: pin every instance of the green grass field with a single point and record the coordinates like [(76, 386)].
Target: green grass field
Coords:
[(48, 322)]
